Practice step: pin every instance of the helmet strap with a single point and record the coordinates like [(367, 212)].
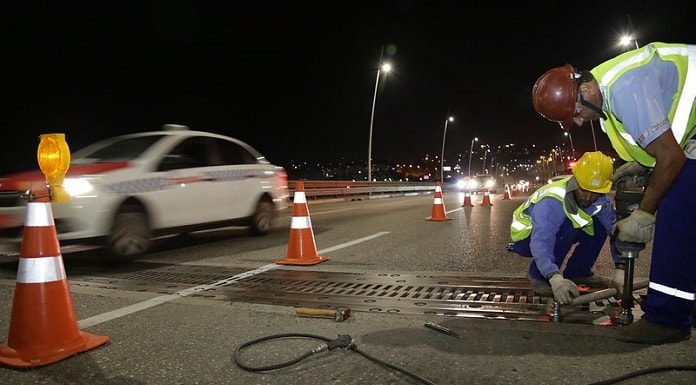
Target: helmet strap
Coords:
[(592, 107)]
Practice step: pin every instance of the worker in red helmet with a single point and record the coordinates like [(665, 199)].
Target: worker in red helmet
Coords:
[(645, 99)]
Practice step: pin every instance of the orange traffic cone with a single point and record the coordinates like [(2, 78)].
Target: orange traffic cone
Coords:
[(467, 199), (506, 196), (486, 199), (438, 213), (43, 328), (302, 250)]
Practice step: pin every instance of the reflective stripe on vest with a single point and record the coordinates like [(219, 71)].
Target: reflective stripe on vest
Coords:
[(672, 291)]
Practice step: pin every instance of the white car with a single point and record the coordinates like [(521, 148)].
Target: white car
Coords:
[(129, 189)]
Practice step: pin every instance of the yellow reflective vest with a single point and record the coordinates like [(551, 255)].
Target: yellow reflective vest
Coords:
[(682, 114), (521, 226)]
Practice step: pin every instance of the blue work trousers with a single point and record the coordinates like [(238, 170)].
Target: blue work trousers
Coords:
[(584, 256), (670, 300)]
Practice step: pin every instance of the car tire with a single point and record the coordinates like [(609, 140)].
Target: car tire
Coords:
[(130, 233), (263, 218)]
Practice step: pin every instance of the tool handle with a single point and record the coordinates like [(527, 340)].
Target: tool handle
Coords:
[(313, 312)]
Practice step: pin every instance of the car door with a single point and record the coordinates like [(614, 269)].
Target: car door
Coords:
[(191, 198)]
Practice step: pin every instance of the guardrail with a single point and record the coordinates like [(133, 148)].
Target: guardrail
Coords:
[(325, 189)]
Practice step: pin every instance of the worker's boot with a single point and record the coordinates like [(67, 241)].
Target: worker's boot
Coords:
[(542, 288), (594, 281), (646, 332)]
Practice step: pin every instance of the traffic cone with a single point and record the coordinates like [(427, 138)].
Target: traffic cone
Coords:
[(438, 213), (43, 327), (467, 199), (302, 250), (486, 199), (506, 196)]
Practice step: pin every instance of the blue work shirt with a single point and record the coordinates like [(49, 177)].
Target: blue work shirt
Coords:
[(548, 216)]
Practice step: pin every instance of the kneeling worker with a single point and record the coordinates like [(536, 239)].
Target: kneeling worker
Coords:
[(561, 214)]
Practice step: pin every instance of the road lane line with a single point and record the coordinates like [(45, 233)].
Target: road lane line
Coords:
[(330, 211), (451, 211), (118, 313)]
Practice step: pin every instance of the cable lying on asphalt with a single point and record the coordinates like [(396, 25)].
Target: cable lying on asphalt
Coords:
[(343, 341)]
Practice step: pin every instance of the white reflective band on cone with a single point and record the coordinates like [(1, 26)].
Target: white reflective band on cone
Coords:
[(438, 189), (672, 291), (39, 214), (299, 197), (300, 223), (40, 270), (438, 201)]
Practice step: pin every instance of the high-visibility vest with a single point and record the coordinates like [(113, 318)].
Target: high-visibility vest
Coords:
[(521, 226), (682, 113)]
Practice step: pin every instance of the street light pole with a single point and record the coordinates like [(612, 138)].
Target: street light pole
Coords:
[(442, 155), (471, 150), (483, 167), (572, 148), (386, 67)]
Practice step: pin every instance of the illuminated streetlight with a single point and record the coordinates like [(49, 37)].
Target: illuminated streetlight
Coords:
[(442, 156), (483, 167), (627, 39), (386, 67), (471, 150)]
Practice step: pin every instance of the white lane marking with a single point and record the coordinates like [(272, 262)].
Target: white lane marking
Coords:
[(330, 211), (451, 211), (118, 313)]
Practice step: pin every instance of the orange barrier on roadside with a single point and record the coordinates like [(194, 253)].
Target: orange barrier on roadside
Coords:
[(467, 199), (486, 199), (506, 196), (43, 327), (302, 249), (438, 212)]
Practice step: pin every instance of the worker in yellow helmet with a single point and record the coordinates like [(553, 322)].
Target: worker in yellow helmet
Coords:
[(561, 214), (646, 100)]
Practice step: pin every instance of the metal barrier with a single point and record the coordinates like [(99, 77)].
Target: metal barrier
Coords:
[(325, 189)]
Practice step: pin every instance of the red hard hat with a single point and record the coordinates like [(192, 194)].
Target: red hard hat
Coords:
[(554, 95)]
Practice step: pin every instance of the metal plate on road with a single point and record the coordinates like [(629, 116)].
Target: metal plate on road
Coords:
[(400, 293)]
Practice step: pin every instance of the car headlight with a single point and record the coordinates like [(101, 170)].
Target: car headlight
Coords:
[(461, 184), (490, 183), (77, 186)]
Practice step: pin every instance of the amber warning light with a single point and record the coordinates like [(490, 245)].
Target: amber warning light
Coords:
[(54, 160)]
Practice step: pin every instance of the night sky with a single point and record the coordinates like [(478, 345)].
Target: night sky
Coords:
[(295, 79)]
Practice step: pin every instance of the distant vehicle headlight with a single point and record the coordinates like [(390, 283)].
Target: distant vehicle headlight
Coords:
[(461, 184), (471, 184), (490, 183), (77, 186)]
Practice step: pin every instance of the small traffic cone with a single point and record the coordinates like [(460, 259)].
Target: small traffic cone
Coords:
[(438, 213), (302, 250), (43, 327), (486, 199), (506, 196), (467, 199)]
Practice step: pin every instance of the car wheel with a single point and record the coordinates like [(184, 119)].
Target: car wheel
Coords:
[(130, 233), (262, 220)]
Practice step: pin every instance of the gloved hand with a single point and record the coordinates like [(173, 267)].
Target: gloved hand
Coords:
[(638, 227), (617, 281), (564, 290)]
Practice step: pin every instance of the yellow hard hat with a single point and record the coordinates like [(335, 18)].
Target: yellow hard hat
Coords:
[(594, 171)]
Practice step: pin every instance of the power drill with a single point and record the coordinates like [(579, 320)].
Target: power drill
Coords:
[(629, 194)]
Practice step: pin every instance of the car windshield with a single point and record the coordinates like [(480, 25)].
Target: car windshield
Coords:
[(115, 150)]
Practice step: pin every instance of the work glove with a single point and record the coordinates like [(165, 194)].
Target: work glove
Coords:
[(564, 290), (638, 227), (617, 281), (627, 175)]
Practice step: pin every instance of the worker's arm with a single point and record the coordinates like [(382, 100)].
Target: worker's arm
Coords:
[(547, 217), (669, 160)]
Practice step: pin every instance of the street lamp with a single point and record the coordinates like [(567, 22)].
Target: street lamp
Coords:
[(627, 39), (471, 150), (483, 167), (442, 155), (386, 67), (572, 148)]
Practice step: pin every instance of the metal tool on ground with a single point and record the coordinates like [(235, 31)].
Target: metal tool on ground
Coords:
[(338, 314), (441, 329), (557, 314)]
